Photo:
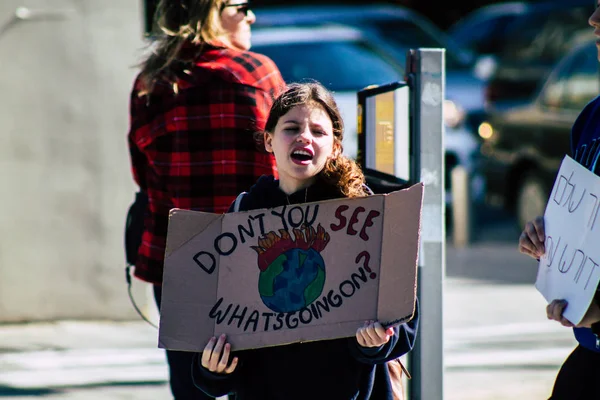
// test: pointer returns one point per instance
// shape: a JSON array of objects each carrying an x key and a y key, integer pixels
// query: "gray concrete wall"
[{"x": 65, "y": 180}]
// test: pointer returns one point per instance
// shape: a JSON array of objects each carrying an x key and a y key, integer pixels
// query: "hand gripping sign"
[
  {"x": 290, "y": 274},
  {"x": 570, "y": 269}
]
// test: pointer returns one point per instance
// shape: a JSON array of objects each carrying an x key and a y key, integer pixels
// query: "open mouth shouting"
[{"x": 302, "y": 156}]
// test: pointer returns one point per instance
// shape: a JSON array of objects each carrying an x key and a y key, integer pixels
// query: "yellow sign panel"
[{"x": 384, "y": 132}]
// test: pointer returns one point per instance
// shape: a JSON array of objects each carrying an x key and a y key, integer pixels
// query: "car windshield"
[
  {"x": 406, "y": 35},
  {"x": 485, "y": 36},
  {"x": 339, "y": 65},
  {"x": 545, "y": 37},
  {"x": 401, "y": 29}
]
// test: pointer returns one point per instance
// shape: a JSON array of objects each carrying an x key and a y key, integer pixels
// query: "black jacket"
[{"x": 336, "y": 369}]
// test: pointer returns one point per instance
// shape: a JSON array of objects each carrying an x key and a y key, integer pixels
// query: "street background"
[
  {"x": 67, "y": 328},
  {"x": 498, "y": 342}
]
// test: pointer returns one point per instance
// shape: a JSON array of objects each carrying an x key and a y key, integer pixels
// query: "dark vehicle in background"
[
  {"x": 525, "y": 145},
  {"x": 483, "y": 30},
  {"x": 402, "y": 26},
  {"x": 403, "y": 29},
  {"x": 534, "y": 44}
]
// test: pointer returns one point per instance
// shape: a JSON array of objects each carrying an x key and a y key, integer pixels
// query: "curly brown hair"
[{"x": 339, "y": 171}]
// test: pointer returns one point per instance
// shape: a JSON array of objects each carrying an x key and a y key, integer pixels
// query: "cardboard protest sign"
[
  {"x": 570, "y": 268},
  {"x": 294, "y": 273}
]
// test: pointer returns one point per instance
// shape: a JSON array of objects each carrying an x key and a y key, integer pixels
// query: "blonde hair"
[
  {"x": 180, "y": 22},
  {"x": 339, "y": 171}
]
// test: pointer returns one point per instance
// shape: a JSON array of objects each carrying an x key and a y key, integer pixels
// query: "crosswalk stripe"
[
  {"x": 56, "y": 378},
  {"x": 75, "y": 358},
  {"x": 504, "y": 330},
  {"x": 508, "y": 358}
]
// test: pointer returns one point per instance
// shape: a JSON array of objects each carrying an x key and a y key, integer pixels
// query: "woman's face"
[
  {"x": 302, "y": 142},
  {"x": 236, "y": 19}
]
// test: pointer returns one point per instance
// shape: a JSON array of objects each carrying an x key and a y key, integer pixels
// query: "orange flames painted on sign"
[{"x": 271, "y": 245}]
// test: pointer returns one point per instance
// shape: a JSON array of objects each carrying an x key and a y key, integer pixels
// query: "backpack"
[
  {"x": 238, "y": 202},
  {"x": 396, "y": 369},
  {"x": 134, "y": 227}
]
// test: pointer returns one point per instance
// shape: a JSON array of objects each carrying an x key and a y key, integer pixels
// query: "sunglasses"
[{"x": 241, "y": 7}]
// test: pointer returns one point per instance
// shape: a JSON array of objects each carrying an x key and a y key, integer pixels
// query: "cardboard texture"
[{"x": 296, "y": 273}]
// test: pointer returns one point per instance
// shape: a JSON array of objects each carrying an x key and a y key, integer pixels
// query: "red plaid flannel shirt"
[{"x": 195, "y": 150}]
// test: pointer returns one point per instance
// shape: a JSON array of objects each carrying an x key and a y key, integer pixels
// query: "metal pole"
[
  {"x": 461, "y": 207},
  {"x": 426, "y": 76}
]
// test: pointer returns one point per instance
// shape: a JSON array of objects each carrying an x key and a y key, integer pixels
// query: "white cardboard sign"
[{"x": 570, "y": 269}]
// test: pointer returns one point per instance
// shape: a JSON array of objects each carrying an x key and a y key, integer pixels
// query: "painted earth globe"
[{"x": 293, "y": 280}]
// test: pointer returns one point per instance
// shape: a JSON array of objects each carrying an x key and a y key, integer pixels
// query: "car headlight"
[
  {"x": 485, "y": 130},
  {"x": 454, "y": 115}
]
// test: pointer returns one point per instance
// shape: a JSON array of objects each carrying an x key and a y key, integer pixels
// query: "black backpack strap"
[
  {"x": 238, "y": 202},
  {"x": 134, "y": 226}
]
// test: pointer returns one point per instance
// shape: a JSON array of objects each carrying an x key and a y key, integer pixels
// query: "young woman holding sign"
[
  {"x": 577, "y": 378},
  {"x": 304, "y": 132}
]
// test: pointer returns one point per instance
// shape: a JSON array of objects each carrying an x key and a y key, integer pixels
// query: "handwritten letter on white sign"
[{"x": 570, "y": 269}]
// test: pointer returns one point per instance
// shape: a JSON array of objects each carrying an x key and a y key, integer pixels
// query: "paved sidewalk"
[
  {"x": 498, "y": 342},
  {"x": 497, "y": 345},
  {"x": 77, "y": 360}
]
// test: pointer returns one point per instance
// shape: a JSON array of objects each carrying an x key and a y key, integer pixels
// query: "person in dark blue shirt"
[{"x": 578, "y": 376}]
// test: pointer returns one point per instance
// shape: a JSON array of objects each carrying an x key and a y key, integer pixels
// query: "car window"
[
  {"x": 407, "y": 35},
  {"x": 484, "y": 36},
  {"x": 582, "y": 83},
  {"x": 341, "y": 66},
  {"x": 554, "y": 89},
  {"x": 544, "y": 37},
  {"x": 575, "y": 83}
]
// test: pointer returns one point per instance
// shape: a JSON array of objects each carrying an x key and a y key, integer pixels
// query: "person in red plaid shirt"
[{"x": 194, "y": 108}]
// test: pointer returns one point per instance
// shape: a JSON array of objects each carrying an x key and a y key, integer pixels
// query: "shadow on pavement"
[
  {"x": 520, "y": 367},
  {"x": 11, "y": 392},
  {"x": 6, "y": 391}
]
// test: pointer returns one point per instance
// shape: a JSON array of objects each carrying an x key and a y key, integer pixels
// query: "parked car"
[
  {"x": 401, "y": 25},
  {"x": 533, "y": 45},
  {"x": 483, "y": 30},
  {"x": 525, "y": 145},
  {"x": 347, "y": 59},
  {"x": 402, "y": 29}
]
